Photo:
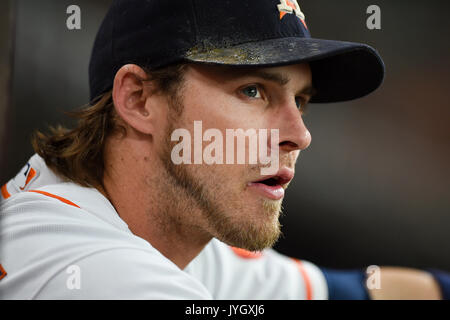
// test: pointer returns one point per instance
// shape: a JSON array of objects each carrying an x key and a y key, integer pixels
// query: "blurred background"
[{"x": 373, "y": 187}]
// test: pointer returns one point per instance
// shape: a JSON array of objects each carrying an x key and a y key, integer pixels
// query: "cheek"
[
  {"x": 222, "y": 110},
  {"x": 201, "y": 102},
  {"x": 293, "y": 156}
]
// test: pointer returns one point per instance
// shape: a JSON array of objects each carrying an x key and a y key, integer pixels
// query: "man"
[{"x": 121, "y": 207}]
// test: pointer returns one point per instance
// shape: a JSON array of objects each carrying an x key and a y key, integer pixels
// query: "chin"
[{"x": 253, "y": 231}]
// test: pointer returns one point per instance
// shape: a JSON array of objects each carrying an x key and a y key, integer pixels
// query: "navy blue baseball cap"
[{"x": 263, "y": 33}]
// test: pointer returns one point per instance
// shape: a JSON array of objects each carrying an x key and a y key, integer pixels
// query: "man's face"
[{"x": 229, "y": 201}]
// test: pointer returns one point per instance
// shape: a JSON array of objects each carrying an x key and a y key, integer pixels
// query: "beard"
[{"x": 199, "y": 194}]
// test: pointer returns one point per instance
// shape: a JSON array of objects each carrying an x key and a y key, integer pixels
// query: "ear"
[{"x": 130, "y": 98}]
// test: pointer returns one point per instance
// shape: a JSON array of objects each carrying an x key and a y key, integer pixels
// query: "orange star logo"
[{"x": 292, "y": 7}]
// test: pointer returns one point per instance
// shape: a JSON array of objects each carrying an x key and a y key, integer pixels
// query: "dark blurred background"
[{"x": 373, "y": 187}]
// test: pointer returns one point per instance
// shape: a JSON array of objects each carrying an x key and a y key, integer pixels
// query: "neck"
[{"x": 137, "y": 187}]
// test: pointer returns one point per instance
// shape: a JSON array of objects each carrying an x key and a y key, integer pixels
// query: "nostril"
[{"x": 289, "y": 145}]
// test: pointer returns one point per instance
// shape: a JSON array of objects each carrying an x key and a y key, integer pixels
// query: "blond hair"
[{"x": 78, "y": 154}]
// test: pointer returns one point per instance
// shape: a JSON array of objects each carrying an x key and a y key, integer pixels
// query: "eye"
[
  {"x": 252, "y": 91},
  {"x": 301, "y": 105}
]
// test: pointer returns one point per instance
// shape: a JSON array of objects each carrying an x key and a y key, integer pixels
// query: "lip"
[
  {"x": 284, "y": 176},
  {"x": 276, "y": 192}
]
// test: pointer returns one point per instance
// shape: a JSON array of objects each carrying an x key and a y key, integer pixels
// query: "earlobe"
[{"x": 129, "y": 96}]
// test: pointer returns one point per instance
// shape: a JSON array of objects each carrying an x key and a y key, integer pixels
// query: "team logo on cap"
[{"x": 291, "y": 7}]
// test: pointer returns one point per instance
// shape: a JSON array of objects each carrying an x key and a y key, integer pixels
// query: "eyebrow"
[{"x": 274, "y": 77}]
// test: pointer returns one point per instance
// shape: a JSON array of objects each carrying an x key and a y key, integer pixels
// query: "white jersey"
[{"x": 63, "y": 241}]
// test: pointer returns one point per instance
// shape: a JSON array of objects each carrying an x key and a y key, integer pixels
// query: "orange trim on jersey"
[
  {"x": 5, "y": 193},
  {"x": 246, "y": 254},
  {"x": 30, "y": 176},
  {"x": 3, "y": 273},
  {"x": 56, "y": 197},
  {"x": 305, "y": 276}
]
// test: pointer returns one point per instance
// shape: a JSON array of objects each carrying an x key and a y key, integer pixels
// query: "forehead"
[{"x": 298, "y": 75}]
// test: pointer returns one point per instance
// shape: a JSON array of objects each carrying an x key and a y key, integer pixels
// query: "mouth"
[{"x": 273, "y": 186}]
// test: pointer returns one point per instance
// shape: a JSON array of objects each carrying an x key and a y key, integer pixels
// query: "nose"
[{"x": 294, "y": 135}]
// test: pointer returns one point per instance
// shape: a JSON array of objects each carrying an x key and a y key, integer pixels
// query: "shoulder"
[
  {"x": 62, "y": 202},
  {"x": 122, "y": 273},
  {"x": 53, "y": 232},
  {"x": 232, "y": 273}
]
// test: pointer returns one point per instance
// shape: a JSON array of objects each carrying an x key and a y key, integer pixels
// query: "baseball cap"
[{"x": 263, "y": 33}]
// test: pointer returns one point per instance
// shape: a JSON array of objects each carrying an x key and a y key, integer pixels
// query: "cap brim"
[{"x": 341, "y": 70}]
